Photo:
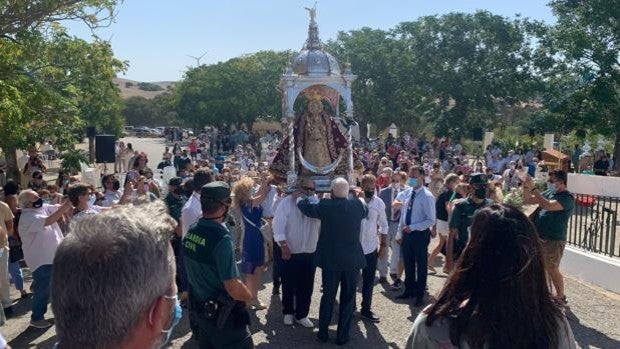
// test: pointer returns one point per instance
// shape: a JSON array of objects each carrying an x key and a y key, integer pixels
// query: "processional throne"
[{"x": 318, "y": 143}]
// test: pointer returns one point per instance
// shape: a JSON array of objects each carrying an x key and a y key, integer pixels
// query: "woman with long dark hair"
[{"x": 497, "y": 296}]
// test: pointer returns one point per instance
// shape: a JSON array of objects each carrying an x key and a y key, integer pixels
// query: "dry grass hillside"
[{"x": 130, "y": 88}]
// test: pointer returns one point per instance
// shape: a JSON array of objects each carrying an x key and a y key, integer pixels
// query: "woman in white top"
[
  {"x": 497, "y": 296},
  {"x": 83, "y": 199}
]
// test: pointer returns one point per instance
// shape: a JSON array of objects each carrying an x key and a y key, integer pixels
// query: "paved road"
[{"x": 594, "y": 314}]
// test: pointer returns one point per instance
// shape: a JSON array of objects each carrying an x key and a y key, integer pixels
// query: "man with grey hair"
[
  {"x": 100, "y": 273},
  {"x": 341, "y": 220},
  {"x": 40, "y": 235}
]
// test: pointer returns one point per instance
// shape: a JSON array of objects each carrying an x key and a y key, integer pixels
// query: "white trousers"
[
  {"x": 393, "y": 257},
  {"x": 5, "y": 290}
]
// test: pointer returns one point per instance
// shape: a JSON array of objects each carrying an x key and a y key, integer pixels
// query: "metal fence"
[{"x": 594, "y": 224}]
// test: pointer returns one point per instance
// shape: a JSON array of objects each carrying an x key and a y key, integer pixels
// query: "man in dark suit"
[{"x": 339, "y": 254}]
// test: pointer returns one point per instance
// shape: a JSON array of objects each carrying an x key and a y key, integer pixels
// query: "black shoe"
[
  {"x": 8, "y": 312},
  {"x": 404, "y": 296},
  {"x": 383, "y": 280},
  {"x": 419, "y": 302},
  {"x": 25, "y": 295},
  {"x": 370, "y": 316},
  {"x": 323, "y": 338},
  {"x": 397, "y": 285}
]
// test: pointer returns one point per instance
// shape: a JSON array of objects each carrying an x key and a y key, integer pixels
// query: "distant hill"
[{"x": 131, "y": 88}]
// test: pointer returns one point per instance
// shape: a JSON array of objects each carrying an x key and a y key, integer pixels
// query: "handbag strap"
[{"x": 249, "y": 221}]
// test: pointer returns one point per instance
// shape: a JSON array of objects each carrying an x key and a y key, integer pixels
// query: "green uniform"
[
  {"x": 461, "y": 220},
  {"x": 553, "y": 225},
  {"x": 175, "y": 205},
  {"x": 209, "y": 259}
]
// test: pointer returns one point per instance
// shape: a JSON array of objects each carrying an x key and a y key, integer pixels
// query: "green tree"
[
  {"x": 462, "y": 67},
  {"x": 237, "y": 91},
  {"x": 377, "y": 93},
  {"x": 50, "y": 83},
  {"x": 580, "y": 57},
  {"x": 159, "y": 111}
]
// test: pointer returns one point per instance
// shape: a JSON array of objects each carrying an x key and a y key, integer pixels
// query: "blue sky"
[{"x": 156, "y": 36}]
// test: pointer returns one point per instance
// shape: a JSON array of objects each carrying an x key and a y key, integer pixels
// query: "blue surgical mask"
[
  {"x": 551, "y": 187},
  {"x": 177, "y": 314},
  {"x": 413, "y": 182},
  {"x": 91, "y": 199}
]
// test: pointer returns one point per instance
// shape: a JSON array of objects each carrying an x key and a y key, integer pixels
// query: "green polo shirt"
[
  {"x": 209, "y": 259},
  {"x": 462, "y": 216},
  {"x": 553, "y": 225}
]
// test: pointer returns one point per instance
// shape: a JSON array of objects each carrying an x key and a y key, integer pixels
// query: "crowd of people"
[{"x": 226, "y": 216}]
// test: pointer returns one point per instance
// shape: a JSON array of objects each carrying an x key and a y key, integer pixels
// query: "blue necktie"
[{"x": 409, "y": 208}]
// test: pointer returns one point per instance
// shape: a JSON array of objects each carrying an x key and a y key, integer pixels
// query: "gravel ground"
[{"x": 594, "y": 316}]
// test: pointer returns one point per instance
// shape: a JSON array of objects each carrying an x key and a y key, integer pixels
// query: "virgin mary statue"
[{"x": 318, "y": 144}]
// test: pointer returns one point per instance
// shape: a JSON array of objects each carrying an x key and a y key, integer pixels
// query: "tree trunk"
[
  {"x": 12, "y": 171},
  {"x": 617, "y": 151}
]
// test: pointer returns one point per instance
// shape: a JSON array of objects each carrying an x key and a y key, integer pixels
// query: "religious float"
[{"x": 317, "y": 115}]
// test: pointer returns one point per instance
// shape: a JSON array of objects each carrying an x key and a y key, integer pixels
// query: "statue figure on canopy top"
[{"x": 312, "y": 13}]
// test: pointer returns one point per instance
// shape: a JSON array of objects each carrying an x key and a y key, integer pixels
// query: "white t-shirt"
[
  {"x": 39, "y": 242},
  {"x": 191, "y": 212}
]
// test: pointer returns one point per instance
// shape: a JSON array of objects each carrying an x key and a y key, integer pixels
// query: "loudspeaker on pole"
[
  {"x": 91, "y": 131},
  {"x": 104, "y": 148}
]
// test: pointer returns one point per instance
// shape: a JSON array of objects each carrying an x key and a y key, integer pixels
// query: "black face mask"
[
  {"x": 369, "y": 193},
  {"x": 116, "y": 185},
  {"x": 222, "y": 216},
  {"x": 481, "y": 193},
  {"x": 38, "y": 203}
]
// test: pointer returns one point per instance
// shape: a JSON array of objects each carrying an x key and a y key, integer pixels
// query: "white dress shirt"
[
  {"x": 39, "y": 241},
  {"x": 300, "y": 232},
  {"x": 376, "y": 219},
  {"x": 422, "y": 213},
  {"x": 269, "y": 202},
  {"x": 191, "y": 212}
]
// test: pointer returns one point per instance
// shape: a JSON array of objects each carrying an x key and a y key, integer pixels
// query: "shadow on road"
[
  {"x": 587, "y": 337},
  {"x": 30, "y": 334}
]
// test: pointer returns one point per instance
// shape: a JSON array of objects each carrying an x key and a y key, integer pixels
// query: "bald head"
[{"x": 340, "y": 188}]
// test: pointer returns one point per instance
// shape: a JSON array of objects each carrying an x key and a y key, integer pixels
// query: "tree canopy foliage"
[
  {"x": 237, "y": 91},
  {"x": 581, "y": 64},
  {"x": 53, "y": 84}
]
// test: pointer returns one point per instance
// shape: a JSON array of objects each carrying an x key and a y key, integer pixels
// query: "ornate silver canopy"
[
  {"x": 313, "y": 60},
  {"x": 317, "y": 70}
]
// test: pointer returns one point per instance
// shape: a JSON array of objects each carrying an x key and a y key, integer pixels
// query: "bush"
[
  {"x": 70, "y": 160},
  {"x": 128, "y": 84},
  {"x": 147, "y": 86}
]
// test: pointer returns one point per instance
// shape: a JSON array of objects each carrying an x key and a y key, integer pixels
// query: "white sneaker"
[
  {"x": 288, "y": 319},
  {"x": 305, "y": 322}
]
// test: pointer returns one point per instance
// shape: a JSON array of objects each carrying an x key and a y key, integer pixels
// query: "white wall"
[
  {"x": 593, "y": 268},
  {"x": 594, "y": 185}
]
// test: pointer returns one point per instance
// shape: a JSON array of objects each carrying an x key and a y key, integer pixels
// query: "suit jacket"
[
  {"x": 339, "y": 247},
  {"x": 386, "y": 195}
]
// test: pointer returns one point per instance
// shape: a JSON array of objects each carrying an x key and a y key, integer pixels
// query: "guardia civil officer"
[
  {"x": 463, "y": 214},
  {"x": 217, "y": 294}
]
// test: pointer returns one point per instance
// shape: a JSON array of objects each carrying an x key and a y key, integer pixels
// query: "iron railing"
[{"x": 594, "y": 224}]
